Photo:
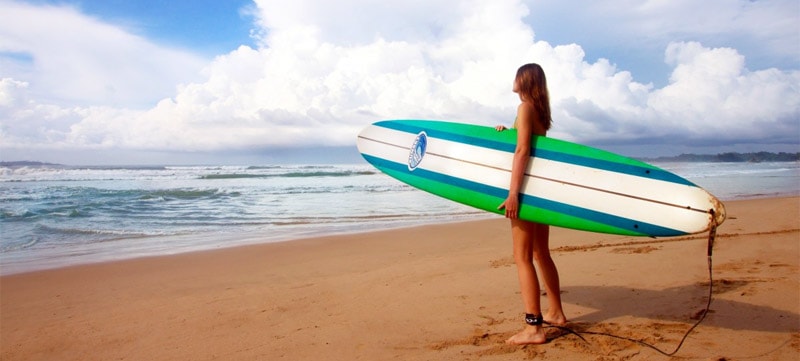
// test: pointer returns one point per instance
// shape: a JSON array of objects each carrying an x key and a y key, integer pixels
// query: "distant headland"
[
  {"x": 27, "y": 163},
  {"x": 731, "y": 157}
]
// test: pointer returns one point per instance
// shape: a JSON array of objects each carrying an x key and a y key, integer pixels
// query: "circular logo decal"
[{"x": 417, "y": 150}]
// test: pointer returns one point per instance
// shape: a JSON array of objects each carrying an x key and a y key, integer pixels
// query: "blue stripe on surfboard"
[
  {"x": 644, "y": 172},
  {"x": 533, "y": 201}
]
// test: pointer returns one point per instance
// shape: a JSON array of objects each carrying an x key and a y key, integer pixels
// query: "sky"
[{"x": 272, "y": 81}]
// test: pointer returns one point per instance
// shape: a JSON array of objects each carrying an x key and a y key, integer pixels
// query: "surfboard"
[{"x": 566, "y": 184}]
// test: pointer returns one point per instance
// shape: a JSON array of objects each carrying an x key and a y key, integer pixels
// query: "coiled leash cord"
[{"x": 712, "y": 235}]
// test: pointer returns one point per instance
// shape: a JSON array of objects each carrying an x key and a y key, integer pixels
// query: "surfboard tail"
[{"x": 718, "y": 213}]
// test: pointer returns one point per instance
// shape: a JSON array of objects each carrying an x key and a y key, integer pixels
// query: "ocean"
[{"x": 54, "y": 216}]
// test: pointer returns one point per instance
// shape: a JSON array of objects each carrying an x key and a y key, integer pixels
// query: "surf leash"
[{"x": 712, "y": 235}]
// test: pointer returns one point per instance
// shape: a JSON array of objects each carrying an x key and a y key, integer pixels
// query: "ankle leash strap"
[{"x": 533, "y": 319}]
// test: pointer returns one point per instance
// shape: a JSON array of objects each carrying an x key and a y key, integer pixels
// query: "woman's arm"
[{"x": 522, "y": 153}]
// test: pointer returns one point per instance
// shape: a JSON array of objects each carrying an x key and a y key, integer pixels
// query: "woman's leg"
[
  {"x": 541, "y": 253},
  {"x": 523, "y": 234}
]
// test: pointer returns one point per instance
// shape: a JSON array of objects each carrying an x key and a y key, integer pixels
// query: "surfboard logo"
[{"x": 417, "y": 150}]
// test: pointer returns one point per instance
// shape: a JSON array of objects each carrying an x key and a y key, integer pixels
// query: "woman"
[{"x": 531, "y": 240}]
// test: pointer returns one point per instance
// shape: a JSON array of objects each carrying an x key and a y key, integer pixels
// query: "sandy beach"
[{"x": 440, "y": 292}]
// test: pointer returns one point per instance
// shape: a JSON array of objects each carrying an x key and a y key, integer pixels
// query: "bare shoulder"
[
  {"x": 527, "y": 113},
  {"x": 526, "y": 107}
]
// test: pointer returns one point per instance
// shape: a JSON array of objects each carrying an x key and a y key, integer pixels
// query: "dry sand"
[{"x": 443, "y": 292}]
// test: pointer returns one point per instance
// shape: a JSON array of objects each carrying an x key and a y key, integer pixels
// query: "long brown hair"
[{"x": 533, "y": 88}]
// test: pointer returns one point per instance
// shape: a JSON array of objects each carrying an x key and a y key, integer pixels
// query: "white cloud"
[
  {"x": 69, "y": 58},
  {"x": 712, "y": 95},
  {"x": 323, "y": 72},
  {"x": 358, "y": 22},
  {"x": 767, "y": 26}
]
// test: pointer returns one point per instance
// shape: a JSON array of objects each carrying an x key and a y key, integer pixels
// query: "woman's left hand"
[{"x": 511, "y": 205}]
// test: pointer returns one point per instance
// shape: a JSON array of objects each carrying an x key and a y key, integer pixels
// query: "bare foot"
[
  {"x": 556, "y": 320},
  {"x": 531, "y": 335}
]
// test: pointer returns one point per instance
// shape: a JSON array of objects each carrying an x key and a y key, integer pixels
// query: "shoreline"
[
  {"x": 214, "y": 242},
  {"x": 441, "y": 291}
]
